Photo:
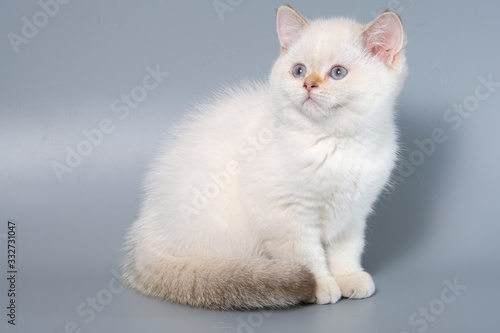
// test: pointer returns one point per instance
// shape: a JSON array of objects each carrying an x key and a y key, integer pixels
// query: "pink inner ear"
[
  {"x": 384, "y": 37},
  {"x": 290, "y": 25}
]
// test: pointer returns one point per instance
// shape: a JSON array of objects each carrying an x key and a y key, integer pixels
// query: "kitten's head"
[{"x": 331, "y": 67}]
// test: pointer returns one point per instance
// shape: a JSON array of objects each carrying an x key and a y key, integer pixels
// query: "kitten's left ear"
[
  {"x": 290, "y": 25},
  {"x": 384, "y": 37}
]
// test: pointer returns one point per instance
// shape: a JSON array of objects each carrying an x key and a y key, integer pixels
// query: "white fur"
[{"x": 307, "y": 174}]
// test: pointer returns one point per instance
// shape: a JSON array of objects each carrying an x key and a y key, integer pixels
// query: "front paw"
[
  {"x": 357, "y": 285},
  {"x": 327, "y": 290}
]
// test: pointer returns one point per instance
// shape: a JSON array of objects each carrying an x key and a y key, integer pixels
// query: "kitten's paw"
[
  {"x": 327, "y": 290},
  {"x": 357, "y": 285}
]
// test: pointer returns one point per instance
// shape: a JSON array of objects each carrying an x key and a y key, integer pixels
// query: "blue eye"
[
  {"x": 338, "y": 72},
  {"x": 299, "y": 71}
]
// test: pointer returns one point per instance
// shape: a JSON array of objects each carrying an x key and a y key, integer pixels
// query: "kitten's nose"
[{"x": 309, "y": 85}]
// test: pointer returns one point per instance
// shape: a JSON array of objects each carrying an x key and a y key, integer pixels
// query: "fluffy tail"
[{"x": 223, "y": 284}]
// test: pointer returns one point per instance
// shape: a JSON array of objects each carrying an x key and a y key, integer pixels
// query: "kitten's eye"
[
  {"x": 338, "y": 72},
  {"x": 299, "y": 71}
]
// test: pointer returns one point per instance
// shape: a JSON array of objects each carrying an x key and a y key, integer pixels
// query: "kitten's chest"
[
  {"x": 341, "y": 174},
  {"x": 333, "y": 165}
]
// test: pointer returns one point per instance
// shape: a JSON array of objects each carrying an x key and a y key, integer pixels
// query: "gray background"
[{"x": 440, "y": 223}]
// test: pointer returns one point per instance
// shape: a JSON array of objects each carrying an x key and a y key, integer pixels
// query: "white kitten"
[{"x": 261, "y": 200}]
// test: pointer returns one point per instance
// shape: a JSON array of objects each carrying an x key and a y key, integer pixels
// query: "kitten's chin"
[
  {"x": 311, "y": 104},
  {"x": 313, "y": 110},
  {"x": 316, "y": 111}
]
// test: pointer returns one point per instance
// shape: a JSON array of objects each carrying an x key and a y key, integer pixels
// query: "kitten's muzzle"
[{"x": 309, "y": 85}]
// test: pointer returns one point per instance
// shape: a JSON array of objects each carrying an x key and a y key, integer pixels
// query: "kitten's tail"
[{"x": 223, "y": 284}]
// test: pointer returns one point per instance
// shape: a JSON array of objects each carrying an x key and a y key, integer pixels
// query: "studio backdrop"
[{"x": 90, "y": 89}]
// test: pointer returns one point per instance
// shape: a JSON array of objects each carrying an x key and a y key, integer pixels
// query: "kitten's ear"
[
  {"x": 384, "y": 37},
  {"x": 290, "y": 25}
]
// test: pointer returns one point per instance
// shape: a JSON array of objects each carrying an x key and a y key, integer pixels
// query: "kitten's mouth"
[
  {"x": 310, "y": 100},
  {"x": 313, "y": 105}
]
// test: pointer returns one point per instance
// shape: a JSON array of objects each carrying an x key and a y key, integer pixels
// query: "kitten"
[{"x": 261, "y": 200}]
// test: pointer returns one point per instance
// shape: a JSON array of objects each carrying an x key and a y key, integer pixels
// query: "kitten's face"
[
  {"x": 327, "y": 68},
  {"x": 324, "y": 71}
]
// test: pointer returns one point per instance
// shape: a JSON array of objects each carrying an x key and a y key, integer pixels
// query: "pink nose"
[{"x": 309, "y": 85}]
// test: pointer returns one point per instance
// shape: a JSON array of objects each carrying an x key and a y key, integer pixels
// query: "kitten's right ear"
[
  {"x": 385, "y": 38},
  {"x": 290, "y": 25}
]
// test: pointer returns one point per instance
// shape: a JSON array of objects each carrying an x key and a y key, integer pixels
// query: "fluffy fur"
[{"x": 262, "y": 198}]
